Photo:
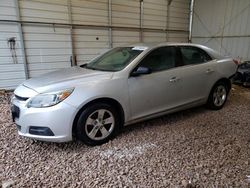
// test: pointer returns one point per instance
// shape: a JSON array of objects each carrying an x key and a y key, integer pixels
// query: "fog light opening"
[{"x": 42, "y": 131}]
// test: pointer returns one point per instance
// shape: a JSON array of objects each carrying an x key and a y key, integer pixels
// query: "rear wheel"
[
  {"x": 218, "y": 96},
  {"x": 97, "y": 124}
]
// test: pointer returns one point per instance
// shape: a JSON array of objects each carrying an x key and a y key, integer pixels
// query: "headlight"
[{"x": 48, "y": 99}]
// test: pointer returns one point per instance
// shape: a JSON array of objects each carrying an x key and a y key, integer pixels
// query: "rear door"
[{"x": 197, "y": 73}]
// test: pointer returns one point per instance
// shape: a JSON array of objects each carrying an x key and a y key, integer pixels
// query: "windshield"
[{"x": 115, "y": 59}]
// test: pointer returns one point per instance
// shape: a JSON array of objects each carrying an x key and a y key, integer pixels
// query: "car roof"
[
  {"x": 155, "y": 44},
  {"x": 150, "y": 45}
]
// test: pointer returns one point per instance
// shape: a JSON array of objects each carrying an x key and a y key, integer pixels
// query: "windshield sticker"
[{"x": 141, "y": 48}]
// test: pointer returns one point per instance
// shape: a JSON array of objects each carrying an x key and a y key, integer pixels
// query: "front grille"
[
  {"x": 21, "y": 98},
  {"x": 15, "y": 111}
]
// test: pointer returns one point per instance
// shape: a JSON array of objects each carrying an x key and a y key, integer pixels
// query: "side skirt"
[{"x": 165, "y": 112}]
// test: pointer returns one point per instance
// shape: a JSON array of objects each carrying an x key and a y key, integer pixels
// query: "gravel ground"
[{"x": 207, "y": 148}]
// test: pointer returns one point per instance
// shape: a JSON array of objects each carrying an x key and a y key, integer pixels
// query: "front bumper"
[{"x": 58, "y": 118}]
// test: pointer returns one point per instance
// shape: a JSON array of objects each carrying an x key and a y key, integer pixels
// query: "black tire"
[
  {"x": 211, "y": 104},
  {"x": 82, "y": 128},
  {"x": 238, "y": 78},
  {"x": 246, "y": 79}
]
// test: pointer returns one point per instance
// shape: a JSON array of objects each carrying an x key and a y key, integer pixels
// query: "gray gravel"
[{"x": 197, "y": 147}]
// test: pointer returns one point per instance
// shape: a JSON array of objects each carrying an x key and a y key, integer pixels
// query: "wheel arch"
[
  {"x": 225, "y": 80},
  {"x": 105, "y": 100}
]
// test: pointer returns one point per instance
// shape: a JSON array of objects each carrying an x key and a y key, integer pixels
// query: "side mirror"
[{"x": 141, "y": 70}]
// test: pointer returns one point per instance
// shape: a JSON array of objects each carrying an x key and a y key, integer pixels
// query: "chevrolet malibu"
[{"x": 128, "y": 84}]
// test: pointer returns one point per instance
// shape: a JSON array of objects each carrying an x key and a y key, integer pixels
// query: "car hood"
[{"x": 68, "y": 77}]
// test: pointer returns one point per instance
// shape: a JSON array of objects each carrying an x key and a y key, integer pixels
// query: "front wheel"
[
  {"x": 218, "y": 96},
  {"x": 97, "y": 124}
]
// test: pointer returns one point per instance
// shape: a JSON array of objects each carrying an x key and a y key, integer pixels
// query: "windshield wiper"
[
  {"x": 92, "y": 68},
  {"x": 85, "y": 66}
]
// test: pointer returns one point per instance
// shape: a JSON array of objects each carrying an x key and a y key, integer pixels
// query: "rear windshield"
[{"x": 114, "y": 60}]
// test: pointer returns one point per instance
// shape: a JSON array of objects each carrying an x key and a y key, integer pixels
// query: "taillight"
[{"x": 236, "y": 62}]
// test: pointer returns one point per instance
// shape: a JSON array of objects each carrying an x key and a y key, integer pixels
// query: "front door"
[{"x": 158, "y": 91}]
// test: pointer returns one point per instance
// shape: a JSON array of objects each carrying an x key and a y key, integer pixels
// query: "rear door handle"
[
  {"x": 209, "y": 71},
  {"x": 174, "y": 79}
]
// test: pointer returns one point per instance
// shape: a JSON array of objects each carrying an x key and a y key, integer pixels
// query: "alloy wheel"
[
  {"x": 99, "y": 124},
  {"x": 219, "y": 95}
]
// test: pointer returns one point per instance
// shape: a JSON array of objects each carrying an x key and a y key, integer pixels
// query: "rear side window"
[
  {"x": 160, "y": 59},
  {"x": 192, "y": 55}
]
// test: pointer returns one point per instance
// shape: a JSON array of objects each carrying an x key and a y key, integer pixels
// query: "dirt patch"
[{"x": 206, "y": 148}]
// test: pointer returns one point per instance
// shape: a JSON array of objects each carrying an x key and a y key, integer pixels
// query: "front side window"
[
  {"x": 192, "y": 55},
  {"x": 162, "y": 58},
  {"x": 115, "y": 59}
]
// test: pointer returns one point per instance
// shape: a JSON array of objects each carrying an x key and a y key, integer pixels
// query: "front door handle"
[
  {"x": 209, "y": 71},
  {"x": 174, "y": 79}
]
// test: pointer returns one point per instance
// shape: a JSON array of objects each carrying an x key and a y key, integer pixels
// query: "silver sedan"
[{"x": 92, "y": 102}]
